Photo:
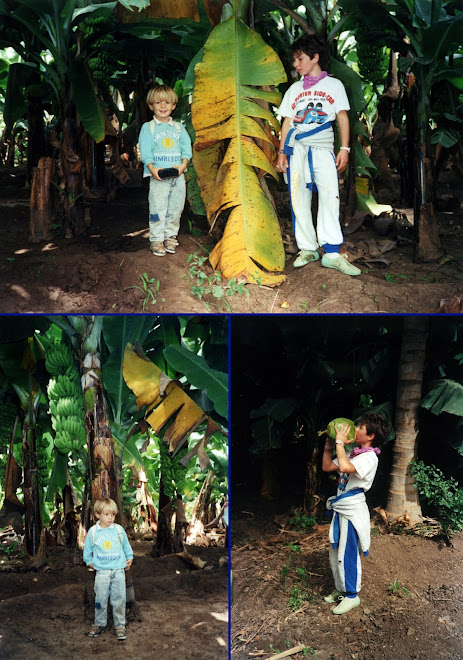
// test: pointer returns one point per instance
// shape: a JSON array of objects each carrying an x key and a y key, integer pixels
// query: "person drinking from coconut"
[{"x": 350, "y": 525}]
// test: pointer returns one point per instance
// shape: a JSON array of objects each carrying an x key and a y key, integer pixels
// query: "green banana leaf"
[
  {"x": 87, "y": 103},
  {"x": 15, "y": 100},
  {"x": 236, "y": 64},
  {"x": 118, "y": 331},
  {"x": 59, "y": 475},
  {"x": 446, "y": 396},
  {"x": 198, "y": 373}
]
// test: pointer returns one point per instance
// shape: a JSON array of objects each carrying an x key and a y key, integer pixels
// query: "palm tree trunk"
[{"x": 403, "y": 496}]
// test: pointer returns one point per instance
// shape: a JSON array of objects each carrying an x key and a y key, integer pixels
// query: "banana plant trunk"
[
  {"x": 72, "y": 167},
  {"x": 34, "y": 541},
  {"x": 36, "y": 145},
  {"x": 427, "y": 242},
  {"x": 403, "y": 497},
  {"x": 99, "y": 439},
  {"x": 164, "y": 544},
  {"x": 311, "y": 501}
]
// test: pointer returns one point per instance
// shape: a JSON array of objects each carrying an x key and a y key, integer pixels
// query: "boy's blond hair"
[
  {"x": 105, "y": 504},
  {"x": 162, "y": 93}
]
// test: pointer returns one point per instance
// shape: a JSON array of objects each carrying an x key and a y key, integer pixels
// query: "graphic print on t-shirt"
[
  {"x": 343, "y": 481},
  {"x": 311, "y": 115}
]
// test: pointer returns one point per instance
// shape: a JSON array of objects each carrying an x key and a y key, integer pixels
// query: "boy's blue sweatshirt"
[
  {"x": 107, "y": 551},
  {"x": 166, "y": 147}
]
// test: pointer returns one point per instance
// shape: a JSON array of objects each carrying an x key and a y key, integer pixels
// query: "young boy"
[
  {"x": 350, "y": 525},
  {"x": 307, "y": 158},
  {"x": 107, "y": 551},
  {"x": 164, "y": 144}
]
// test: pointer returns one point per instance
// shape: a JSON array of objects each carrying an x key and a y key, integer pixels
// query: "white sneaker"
[
  {"x": 304, "y": 257},
  {"x": 340, "y": 263},
  {"x": 346, "y": 605}
]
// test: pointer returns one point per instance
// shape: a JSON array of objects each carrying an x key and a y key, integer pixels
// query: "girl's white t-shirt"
[
  {"x": 317, "y": 105},
  {"x": 366, "y": 465}
]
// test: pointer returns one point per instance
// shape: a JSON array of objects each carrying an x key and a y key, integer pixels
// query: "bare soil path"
[
  {"x": 97, "y": 273},
  {"x": 411, "y": 602},
  {"x": 181, "y": 612}
]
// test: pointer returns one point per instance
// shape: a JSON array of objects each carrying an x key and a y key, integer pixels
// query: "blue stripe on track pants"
[{"x": 345, "y": 560}]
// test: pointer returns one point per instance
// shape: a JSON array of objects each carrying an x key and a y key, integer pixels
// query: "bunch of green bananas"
[
  {"x": 102, "y": 65},
  {"x": 173, "y": 472},
  {"x": 58, "y": 358},
  {"x": 65, "y": 400},
  {"x": 371, "y": 63},
  {"x": 62, "y": 386}
]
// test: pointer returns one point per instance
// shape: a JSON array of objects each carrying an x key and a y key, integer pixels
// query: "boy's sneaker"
[
  {"x": 304, "y": 257},
  {"x": 120, "y": 633},
  {"x": 95, "y": 631},
  {"x": 340, "y": 262},
  {"x": 157, "y": 248},
  {"x": 170, "y": 244},
  {"x": 346, "y": 605},
  {"x": 333, "y": 597}
]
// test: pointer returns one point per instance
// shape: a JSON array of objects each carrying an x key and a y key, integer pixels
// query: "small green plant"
[
  {"x": 443, "y": 495},
  {"x": 395, "y": 278},
  {"x": 293, "y": 547},
  {"x": 205, "y": 284},
  {"x": 9, "y": 549},
  {"x": 150, "y": 288},
  {"x": 300, "y": 521},
  {"x": 296, "y": 598},
  {"x": 397, "y": 589},
  {"x": 308, "y": 650},
  {"x": 303, "y": 306},
  {"x": 299, "y": 595},
  {"x": 324, "y": 287}
]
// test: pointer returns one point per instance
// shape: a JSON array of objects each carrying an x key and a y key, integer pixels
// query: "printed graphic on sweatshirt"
[{"x": 107, "y": 548}]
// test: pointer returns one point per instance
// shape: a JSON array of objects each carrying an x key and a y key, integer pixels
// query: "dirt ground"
[
  {"x": 94, "y": 273},
  {"x": 411, "y": 602},
  {"x": 181, "y": 612}
]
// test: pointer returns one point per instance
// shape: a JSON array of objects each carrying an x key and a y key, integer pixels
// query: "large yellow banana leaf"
[
  {"x": 227, "y": 120},
  {"x": 164, "y": 398}
]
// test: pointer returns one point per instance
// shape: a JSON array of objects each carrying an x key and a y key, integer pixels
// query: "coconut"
[{"x": 330, "y": 430}]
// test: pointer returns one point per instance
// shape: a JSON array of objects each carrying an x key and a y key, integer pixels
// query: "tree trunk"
[
  {"x": 427, "y": 241},
  {"x": 181, "y": 524},
  {"x": 72, "y": 167},
  {"x": 41, "y": 206},
  {"x": 33, "y": 517},
  {"x": 310, "y": 506},
  {"x": 100, "y": 443},
  {"x": 164, "y": 544},
  {"x": 403, "y": 496},
  {"x": 36, "y": 146},
  {"x": 384, "y": 133}
]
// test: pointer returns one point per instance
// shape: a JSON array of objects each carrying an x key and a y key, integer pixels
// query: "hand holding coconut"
[{"x": 343, "y": 432}]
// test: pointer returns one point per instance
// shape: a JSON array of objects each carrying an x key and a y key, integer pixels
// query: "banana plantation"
[
  {"x": 133, "y": 408},
  {"x": 73, "y": 82}
]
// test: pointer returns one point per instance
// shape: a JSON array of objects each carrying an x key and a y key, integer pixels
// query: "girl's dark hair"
[
  {"x": 310, "y": 44},
  {"x": 377, "y": 424}
]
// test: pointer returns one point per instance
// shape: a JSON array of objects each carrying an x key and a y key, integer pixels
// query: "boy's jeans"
[
  {"x": 110, "y": 584},
  {"x": 166, "y": 201}
]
